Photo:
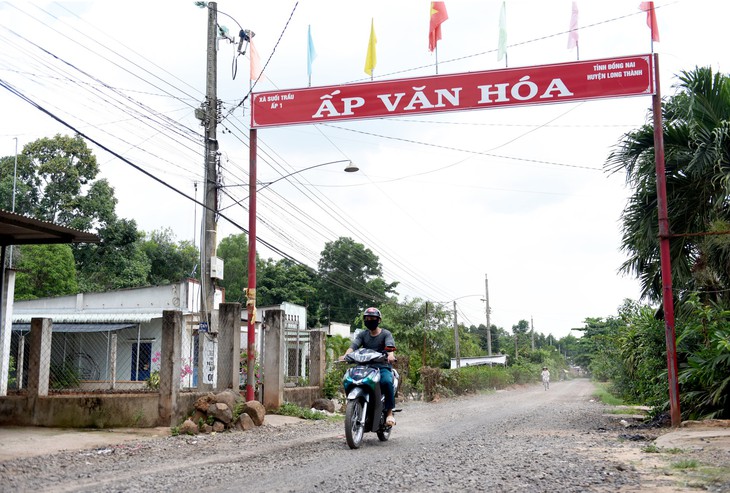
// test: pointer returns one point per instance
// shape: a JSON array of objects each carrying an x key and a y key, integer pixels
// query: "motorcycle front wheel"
[{"x": 354, "y": 423}]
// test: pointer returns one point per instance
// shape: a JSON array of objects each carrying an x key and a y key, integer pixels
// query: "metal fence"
[
  {"x": 297, "y": 352},
  {"x": 87, "y": 359}
]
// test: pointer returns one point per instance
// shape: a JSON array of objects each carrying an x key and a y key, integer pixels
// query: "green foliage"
[
  {"x": 60, "y": 175},
  {"x": 169, "y": 261},
  {"x": 12, "y": 379},
  {"x": 349, "y": 276},
  {"x": 333, "y": 381},
  {"x": 473, "y": 379},
  {"x": 290, "y": 409},
  {"x": 437, "y": 382},
  {"x": 45, "y": 271},
  {"x": 153, "y": 381},
  {"x": 64, "y": 376},
  {"x": 335, "y": 347},
  {"x": 604, "y": 395},
  {"x": 283, "y": 280},
  {"x": 115, "y": 263},
  {"x": 233, "y": 250},
  {"x": 524, "y": 372},
  {"x": 696, "y": 155},
  {"x": 705, "y": 377}
]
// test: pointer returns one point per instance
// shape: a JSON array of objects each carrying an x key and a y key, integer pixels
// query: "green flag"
[{"x": 502, "y": 48}]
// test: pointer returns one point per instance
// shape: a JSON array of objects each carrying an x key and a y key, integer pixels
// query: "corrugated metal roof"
[
  {"x": 85, "y": 318},
  {"x": 17, "y": 229},
  {"x": 58, "y": 327}
]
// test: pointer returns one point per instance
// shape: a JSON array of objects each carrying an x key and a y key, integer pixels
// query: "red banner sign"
[{"x": 590, "y": 79}]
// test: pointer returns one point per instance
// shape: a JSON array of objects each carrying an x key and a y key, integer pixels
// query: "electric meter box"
[{"x": 216, "y": 268}]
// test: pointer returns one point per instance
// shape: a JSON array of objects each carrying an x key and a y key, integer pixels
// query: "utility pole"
[
  {"x": 532, "y": 333},
  {"x": 425, "y": 328},
  {"x": 209, "y": 116},
  {"x": 456, "y": 338},
  {"x": 489, "y": 327}
]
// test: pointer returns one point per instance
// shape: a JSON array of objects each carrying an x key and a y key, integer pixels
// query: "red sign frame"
[{"x": 573, "y": 81}]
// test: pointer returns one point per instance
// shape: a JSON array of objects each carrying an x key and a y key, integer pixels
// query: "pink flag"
[
  {"x": 573, "y": 30},
  {"x": 255, "y": 61},
  {"x": 648, "y": 7}
]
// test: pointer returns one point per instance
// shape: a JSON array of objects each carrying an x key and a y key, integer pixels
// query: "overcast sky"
[{"x": 516, "y": 194}]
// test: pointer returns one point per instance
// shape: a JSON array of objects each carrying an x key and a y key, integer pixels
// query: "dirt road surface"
[{"x": 525, "y": 439}]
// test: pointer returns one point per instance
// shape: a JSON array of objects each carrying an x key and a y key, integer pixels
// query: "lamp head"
[{"x": 351, "y": 168}]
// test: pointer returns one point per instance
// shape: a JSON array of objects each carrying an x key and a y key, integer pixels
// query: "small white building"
[
  {"x": 338, "y": 329},
  {"x": 112, "y": 339}
]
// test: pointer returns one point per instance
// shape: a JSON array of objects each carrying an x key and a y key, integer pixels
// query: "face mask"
[{"x": 371, "y": 324}]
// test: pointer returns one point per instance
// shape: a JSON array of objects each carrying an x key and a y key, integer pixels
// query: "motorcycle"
[{"x": 365, "y": 402}]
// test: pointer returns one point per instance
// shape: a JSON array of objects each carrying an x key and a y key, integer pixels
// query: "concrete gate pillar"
[
  {"x": 274, "y": 358},
  {"x": 229, "y": 346},
  {"x": 6, "y": 329},
  {"x": 170, "y": 363},
  {"x": 39, "y": 363},
  {"x": 317, "y": 357}
]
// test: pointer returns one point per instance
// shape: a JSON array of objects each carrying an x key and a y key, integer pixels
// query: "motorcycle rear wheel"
[{"x": 354, "y": 429}]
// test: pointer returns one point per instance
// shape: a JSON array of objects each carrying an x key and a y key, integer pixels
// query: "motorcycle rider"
[{"x": 378, "y": 339}]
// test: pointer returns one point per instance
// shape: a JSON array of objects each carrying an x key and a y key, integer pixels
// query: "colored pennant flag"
[
  {"x": 371, "y": 60},
  {"x": 648, "y": 7},
  {"x": 311, "y": 52},
  {"x": 253, "y": 56},
  {"x": 438, "y": 16},
  {"x": 573, "y": 29},
  {"x": 502, "y": 46}
]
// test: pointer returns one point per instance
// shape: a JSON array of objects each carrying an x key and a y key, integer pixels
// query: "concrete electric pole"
[
  {"x": 208, "y": 114},
  {"x": 489, "y": 326},
  {"x": 456, "y": 339}
]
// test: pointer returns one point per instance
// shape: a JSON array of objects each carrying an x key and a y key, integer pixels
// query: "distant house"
[{"x": 297, "y": 338}]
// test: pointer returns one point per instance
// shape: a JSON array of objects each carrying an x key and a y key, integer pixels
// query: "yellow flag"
[{"x": 372, "y": 58}]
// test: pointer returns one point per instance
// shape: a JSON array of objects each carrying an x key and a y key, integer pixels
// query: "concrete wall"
[
  {"x": 302, "y": 396},
  {"x": 92, "y": 410}
]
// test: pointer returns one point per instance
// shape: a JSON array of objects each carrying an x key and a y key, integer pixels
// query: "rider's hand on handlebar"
[{"x": 391, "y": 357}]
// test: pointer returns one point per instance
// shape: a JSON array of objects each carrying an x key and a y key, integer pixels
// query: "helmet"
[{"x": 371, "y": 312}]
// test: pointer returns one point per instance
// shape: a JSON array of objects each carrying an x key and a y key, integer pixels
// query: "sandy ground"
[{"x": 29, "y": 441}]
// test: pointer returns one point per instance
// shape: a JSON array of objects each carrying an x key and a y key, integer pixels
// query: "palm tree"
[{"x": 697, "y": 156}]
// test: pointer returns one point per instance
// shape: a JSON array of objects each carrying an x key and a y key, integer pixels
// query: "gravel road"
[{"x": 525, "y": 439}]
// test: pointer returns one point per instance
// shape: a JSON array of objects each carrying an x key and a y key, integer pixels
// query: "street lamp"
[{"x": 251, "y": 291}]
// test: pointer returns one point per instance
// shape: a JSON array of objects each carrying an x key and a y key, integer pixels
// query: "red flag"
[
  {"x": 648, "y": 7},
  {"x": 438, "y": 16}
]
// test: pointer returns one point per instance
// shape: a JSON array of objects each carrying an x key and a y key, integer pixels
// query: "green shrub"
[{"x": 291, "y": 409}]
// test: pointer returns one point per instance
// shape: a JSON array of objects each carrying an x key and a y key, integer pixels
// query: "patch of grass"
[
  {"x": 602, "y": 394},
  {"x": 685, "y": 464},
  {"x": 290, "y": 409},
  {"x": 653, "y": 449}
]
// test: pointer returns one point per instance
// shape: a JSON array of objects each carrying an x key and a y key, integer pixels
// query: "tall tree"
[
  {"x": 233, "y": 250},
  {"x": 282, "y": 280},
  {"x": 350, "y": 280},
  {"x": 45, "y": 270},
  {"x": 116, "y": 262},
  {"x": 697, "y": 155},
  {"x": 169, "y": 261},
  {"x": 17, "y": 182},
  {"x": 61, "y": 179}
]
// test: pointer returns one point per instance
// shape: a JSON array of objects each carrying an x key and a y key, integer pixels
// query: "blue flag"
[{"x": 311, "y": 53}]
